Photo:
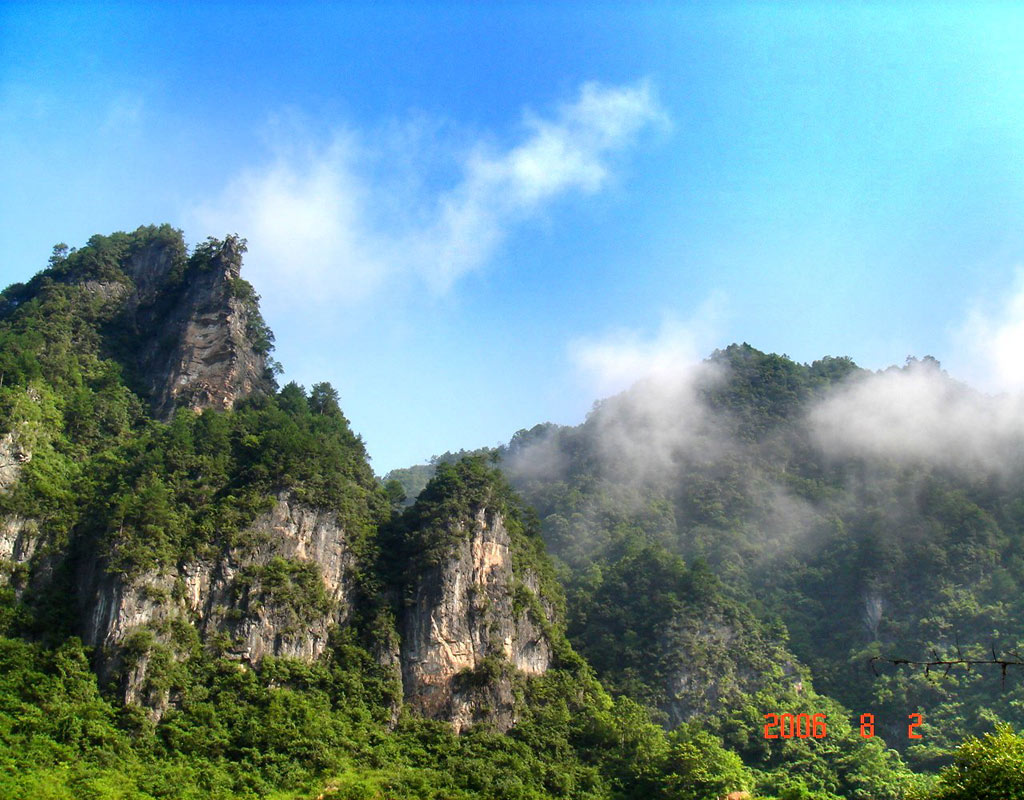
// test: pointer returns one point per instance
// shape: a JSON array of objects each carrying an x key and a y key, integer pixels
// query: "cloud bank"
[
  {"x": 343, "y": 221},
  {"x": 916, "y": 414},
  {"x": 919, "y": 414}
]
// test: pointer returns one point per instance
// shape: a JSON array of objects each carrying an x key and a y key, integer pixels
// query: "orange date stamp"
[{"x": 815, "y": 726}]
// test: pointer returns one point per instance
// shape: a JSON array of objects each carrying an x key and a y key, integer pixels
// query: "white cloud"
[
  {"x": 642, "y": 432},
  {"x": 920, "y": 414},
  {"x": 621, "y": 358},
  {"x": 305, "y": 220},
  {"x": 341, "y": 222},
  {"x": 992, "y": 342}
]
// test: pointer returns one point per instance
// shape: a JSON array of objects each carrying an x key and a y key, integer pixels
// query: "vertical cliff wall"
[
  {"x": 202, "y": 341},
  {"x": 471, "y": 631}
]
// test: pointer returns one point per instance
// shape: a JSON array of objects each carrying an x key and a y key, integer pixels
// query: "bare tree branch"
[{"x": 1014, "y": 660}]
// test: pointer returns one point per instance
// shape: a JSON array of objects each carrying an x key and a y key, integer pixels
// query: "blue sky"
[{"x": 473, "y": 219}]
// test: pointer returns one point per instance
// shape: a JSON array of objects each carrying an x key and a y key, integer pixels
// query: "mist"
[
  {"x": 918, "y": 414},
  {"x": 662, "y": 441}
]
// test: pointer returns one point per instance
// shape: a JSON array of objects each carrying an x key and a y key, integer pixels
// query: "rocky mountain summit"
[{"x": 204, "y": 345}]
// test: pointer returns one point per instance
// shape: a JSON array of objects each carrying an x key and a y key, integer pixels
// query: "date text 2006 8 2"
[{"x": 815, "y": 726}]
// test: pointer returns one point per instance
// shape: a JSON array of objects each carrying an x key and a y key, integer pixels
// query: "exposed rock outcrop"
[
  {"x": 278, "y": 595},
  {"x": 474, "y": 630},
  {"x": 185, "y": 331},
  {"x": 199, "y": 348},
  {"x": 188, "y": 330},
  {"x": 470, "y": 632},
  {"x": 19, "y": 538},
  {"x": 12, "y": 456},
  {"x": 716, "y": 659}
]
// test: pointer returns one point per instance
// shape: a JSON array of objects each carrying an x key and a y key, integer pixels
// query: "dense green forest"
[{"x": 696, "y": 559}]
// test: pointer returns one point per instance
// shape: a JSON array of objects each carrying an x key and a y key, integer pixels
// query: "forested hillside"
[
  {"x": 206, "y": 593},
  {"x": 845, "y": 514}
]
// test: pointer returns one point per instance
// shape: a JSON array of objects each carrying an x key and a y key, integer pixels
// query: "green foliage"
[
  {"x": 291, "y": 729},
  {"x": 414, "y": 480},
  {"x": 820, "y": 562},
  {"x": 445, "y": 514},
  {"x": 681, "y": 573},
  {"x": 696, "y": 767},
  {"x": 444, "y": 511},
  {"x": 167, "y": 491},
  {"x": 395, "y": 494},
  {"x": 987, "y": 768},
  {"x": 292, "y": 587},
  {"x": 635, "y": 612}
]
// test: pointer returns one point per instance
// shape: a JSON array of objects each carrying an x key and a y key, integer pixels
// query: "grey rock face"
[
  {"x": 717, "y": 661},
  {"x": 149, "y": 268},
  {"x": 465, "y": 639},
  {"x": 238, "y": 598},
  {"x": 192, "y": 324},
  {"x": 197, "y": 348},
  {"x": 18, "y": 539},
  {"x": 12, "y": 457}
]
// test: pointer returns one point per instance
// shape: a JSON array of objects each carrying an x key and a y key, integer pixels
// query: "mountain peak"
[
  {"x": 204, "y": 341},
  {"x": 186, "y": 328}
]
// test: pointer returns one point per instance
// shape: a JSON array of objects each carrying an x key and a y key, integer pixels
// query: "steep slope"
[
  {"x": 280, "y": 594},
  {"x": 152, "y": 541},
  {"x": 185, "y": 329},
  {"x": 205, "y": 346},
  {"x": 162, "y": 536},
  {"x": 872, "y": 513}
]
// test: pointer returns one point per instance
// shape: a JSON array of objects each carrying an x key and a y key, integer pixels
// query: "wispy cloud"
[
  {"x": 620, "y": 358},
  {"x": 991, "y": 341},
  {"x": 919, "y": 414},
  {"x": 124, "y": 114},
  {"x": 642, "y": 432},
  {"x": 342, "y": 221}
]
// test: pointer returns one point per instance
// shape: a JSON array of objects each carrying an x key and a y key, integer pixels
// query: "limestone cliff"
[
  {"x": 186, "y": 330},
  {"x": 19, "y": 538},
  {"x": 279, "y": 595},
  {"x": 201, "y": 343},
  {"x": 167, "y": 548},
  {"x": 471, "y": 630},
  {"x": 13, "y": 454},
  {"x": 714, "y": 657},
  {"x": 474, "y": 629}
]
